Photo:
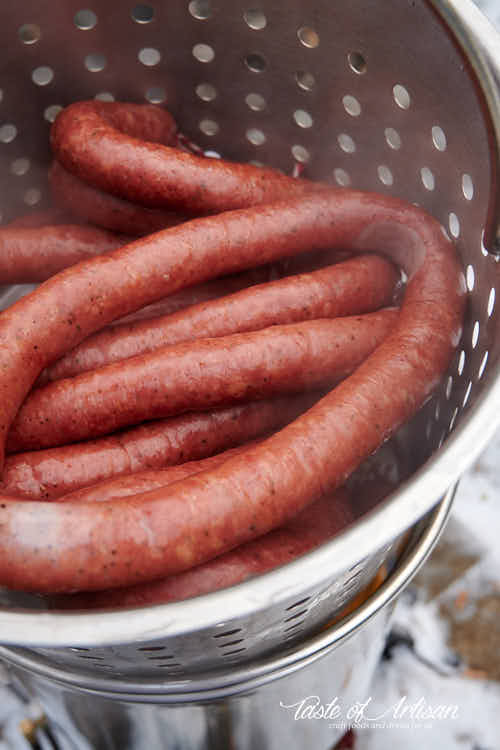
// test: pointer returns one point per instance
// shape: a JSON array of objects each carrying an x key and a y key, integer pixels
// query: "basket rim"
[
  {"x": 400, "y": 510},
  {"x": 213, "y": 686}
]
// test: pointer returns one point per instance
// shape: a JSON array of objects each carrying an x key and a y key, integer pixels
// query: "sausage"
[
  {"x": 51, "y": 473},
  {"x": 317, "y": 524},
  {"x": 105, "y": 210},
  {"x": 43, "y": 218},
  {"x": 193, "y": 376},
  {"x": 143, "y": 481},
  {"x": 29, "y": 255},
  {"x": 359, "y": 285},
  {"x": 194, "y": 295},
  {"x": 233, "y": 283},
  {"x": 139, "y": 121},
  {"x": 97, "y": 142},
  {"x": 57, "y": 547}
]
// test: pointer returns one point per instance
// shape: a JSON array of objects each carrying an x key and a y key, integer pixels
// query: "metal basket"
[
  {"x": 397, "y": 96},
  {"x": 243, "y": 708}
]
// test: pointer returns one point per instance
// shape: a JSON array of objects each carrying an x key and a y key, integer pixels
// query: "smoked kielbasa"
[
  {"x": 313, "y": 526},
  {"x": 356, "y": 286},
  {"x": 87, "y": 546},
  {"x": 197, "y": 375},
  {"x": 143, "y": 481},
  {"x": 47, "y": 474},
  {"x": 105, "y": 210},
  {"x": 29, "y": 254}
]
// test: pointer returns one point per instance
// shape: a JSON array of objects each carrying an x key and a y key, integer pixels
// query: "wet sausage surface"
[
  {"x": 315, "y": 525},
  {"x": 143, "y": 481},
  {"x": 198, "y": 375},
  {"x": 95, "y": 142},
  {"x": 50, "y": 473}
]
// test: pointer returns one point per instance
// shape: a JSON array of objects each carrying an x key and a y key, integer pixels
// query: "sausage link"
[
  {"x": 139, "y": 121},
  {"x": 194, "y": 295},
  {"x": 233, "y": 283},
  {"x": 43, "y": 218},
  {"x": 194, "y": 376},
  {"x": 51, "y": 473},
  {"x": 105, "y": 210},
  {"x": 356, "y": 286},
  {"x": 143, "y": 481},
  {"x": 51, "y": 547},
  {"x": 29, "y": 255},
  {"x": 97, "y": 142},
  {"x": 323, "y": 520}
]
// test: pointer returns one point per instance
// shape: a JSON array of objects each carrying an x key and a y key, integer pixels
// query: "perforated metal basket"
[{"x": 397, "y": 96}]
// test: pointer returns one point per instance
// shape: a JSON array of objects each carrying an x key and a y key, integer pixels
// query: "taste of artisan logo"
[{"x": 403, "y": 713}]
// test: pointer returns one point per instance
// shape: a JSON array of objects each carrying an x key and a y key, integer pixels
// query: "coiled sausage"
[{"x": 71, "y": 546}]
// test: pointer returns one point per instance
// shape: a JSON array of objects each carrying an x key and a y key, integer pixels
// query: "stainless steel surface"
[
  {"x": 245, "y": 721},
  {"x": 377, "y": 95}
]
